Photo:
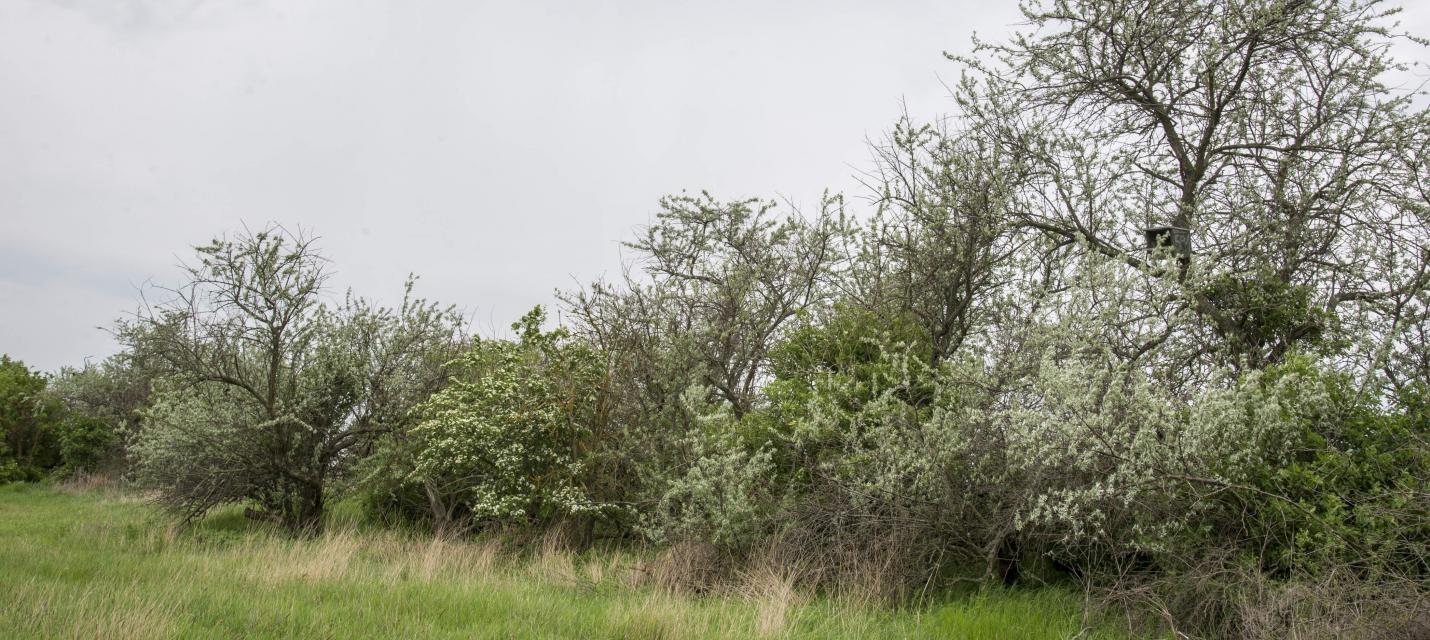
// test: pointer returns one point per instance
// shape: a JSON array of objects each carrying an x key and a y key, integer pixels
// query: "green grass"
[{"x": 110, "y": 566}]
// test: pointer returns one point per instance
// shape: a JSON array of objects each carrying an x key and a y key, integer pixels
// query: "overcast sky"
[{"x": 499, "y": 150}]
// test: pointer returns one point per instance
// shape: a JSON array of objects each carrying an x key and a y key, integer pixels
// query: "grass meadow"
[{"x": 97, "y": 564}]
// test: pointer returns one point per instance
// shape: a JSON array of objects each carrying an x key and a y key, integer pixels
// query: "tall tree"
[
  {"x": 1267, "y": 129},
  {"x": 942, "y": 242}
]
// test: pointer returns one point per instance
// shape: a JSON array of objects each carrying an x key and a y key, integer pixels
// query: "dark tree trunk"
[
  {"x": 304, "y": 511},
  {"x": 1004, "y": 560}
]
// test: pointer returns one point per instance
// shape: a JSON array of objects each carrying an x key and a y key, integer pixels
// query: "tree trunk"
[
  {"x": 304, "y": 513},
  {"x": 1003, "y": 559},
  {"x": 442, "y": 524}
]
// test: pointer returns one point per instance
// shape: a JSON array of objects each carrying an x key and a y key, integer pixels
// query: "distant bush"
[
  {"x": 104, "y": 406},
  {"x": 86, "y": 443},
  {"x": 29, "y": 421}
]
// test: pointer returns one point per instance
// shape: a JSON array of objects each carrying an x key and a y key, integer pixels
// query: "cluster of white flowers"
[{"x": 724, "y": 495}]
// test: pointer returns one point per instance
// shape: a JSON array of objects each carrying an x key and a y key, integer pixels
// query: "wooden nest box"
[{"x": 1179, "y": 239}]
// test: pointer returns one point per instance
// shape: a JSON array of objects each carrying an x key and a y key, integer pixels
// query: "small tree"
[
  {"x": 269, "y": 394},
  {"x": 736, "y": 274},
  {"x": 943, "y": 241}
]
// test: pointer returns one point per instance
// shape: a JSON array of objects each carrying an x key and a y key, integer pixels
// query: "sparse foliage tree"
[
  {"x": 737, "y": 274},
  {"x": 1267, "y": 128},
  {"x": 269, "y": 393}
]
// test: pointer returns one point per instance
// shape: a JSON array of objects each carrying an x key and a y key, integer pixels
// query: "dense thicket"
[{"x": 1148, "y": 311}]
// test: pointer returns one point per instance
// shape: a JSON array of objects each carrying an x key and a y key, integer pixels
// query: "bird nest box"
[{"x": 1178, "y": 239}]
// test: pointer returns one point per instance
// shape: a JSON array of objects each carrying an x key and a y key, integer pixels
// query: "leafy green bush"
[
  {"x": 507, "y": 440},
  {"x": 28, "y": 422},
  {"x": 85, "y": 442},
  {"x": 104, "y": 406},
  {"x": 1349, "y": 487},
  {"x": 1264, "y": 317},
  {"x": 725, "y": 496}
]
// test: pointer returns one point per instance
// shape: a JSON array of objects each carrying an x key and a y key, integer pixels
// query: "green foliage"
[
  {"x": 197, "y": 441},
  {"x": 52, "y": 426},
  {"x": 1291, "y": 470},
  {"x": 268, "y": 394},
  {"x": 841, "y": 364},
  {"x": 1263, "y": 317},
  {"x": 509, "y": 439},
  {"x": 1349, "y": 489},
  {"x": 29, "y": 420},
  {"x": 103, "y": 406},
  {"x": 86, "y": 442},
  {"x": 725, "y": 496},
  {"x": 850, "y": 343},
  {"x": 10, "y": 470}
]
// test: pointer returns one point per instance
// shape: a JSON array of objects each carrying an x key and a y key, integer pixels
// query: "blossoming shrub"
[
  {"x": 1263, "y": 481},
  {"x": 1348, "y": 484},
  {"x": 888, "y": 476},
  {"x": 507, "y": 441},
  {"x": 724, "y": 496}
]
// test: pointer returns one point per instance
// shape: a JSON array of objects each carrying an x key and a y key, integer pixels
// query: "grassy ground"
[{"x": 96, "y": 566}]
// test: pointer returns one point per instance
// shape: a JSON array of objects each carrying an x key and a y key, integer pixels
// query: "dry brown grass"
[
  {"x": 442, "y": 557},
  {"x": 554, "y": 559},
  {"x": 771, "y": 587},
  {"x": 1220, "y": 599},
  {"x": 340, "y": 553},
  {"x": 687, "y": 567},
  {"x": 137, "y": 619},
  {"x": 108, "y": 483},
  {"x": 476, "y": 557},
  {"x": 1335, "y": 609},
  {"x": 658, "y": 616},
  {"x": 613, "y": 567},
  {"x": 274, "y": 561}
]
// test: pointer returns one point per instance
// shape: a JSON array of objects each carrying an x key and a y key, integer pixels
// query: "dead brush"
[
  {"x": 1218, "y": 598},
  {"x": 868, "y": 580},
  {"x": 688, "y": 567},
  {"x": 1337, "y": 607},
  {"x": 87, "y": 482},
  {"x": 860, "y": 566}
]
